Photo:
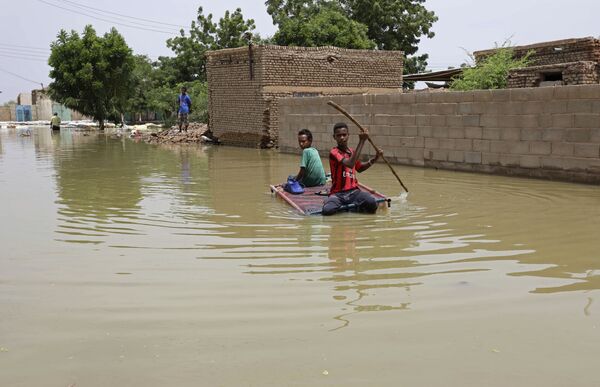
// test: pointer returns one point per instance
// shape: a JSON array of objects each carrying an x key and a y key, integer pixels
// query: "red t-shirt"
[{"x": 342, "y": 177}]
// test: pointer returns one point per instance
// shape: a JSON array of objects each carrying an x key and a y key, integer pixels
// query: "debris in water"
[
  {"x": 2, "y": 349},
  {"x": 496, "y": 350},
  {"x": 325, "y": 372}
]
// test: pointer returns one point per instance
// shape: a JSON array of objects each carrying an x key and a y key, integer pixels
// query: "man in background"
[
  {"x": 185, "y": 106},
  {"x": 55, "y": 122}
]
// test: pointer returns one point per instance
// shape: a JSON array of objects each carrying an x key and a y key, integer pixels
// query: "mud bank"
[{"x": 196, "y": 134}]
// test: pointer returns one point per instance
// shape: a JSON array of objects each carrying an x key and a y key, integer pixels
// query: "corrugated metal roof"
[{"x": 444, "y": 75}]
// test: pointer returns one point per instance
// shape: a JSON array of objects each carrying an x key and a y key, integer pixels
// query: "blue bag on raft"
[{"x": 293, "y": 186}]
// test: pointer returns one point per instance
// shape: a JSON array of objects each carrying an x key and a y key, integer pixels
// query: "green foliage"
[
  {"x": 198, "y": 92},
  {"x": 414, "y": 65},
  {"x": 163, "y": 99},
  {"x": 189, "y": 63},
  {"x": 322, "y": 26},
  {"x": 92, "y": 74},
  {"x": 390, "y": 24},
  {"x": 281, "y": 10},
  {"x": 491, "y": 72},
  {"x": 393, "y": 24},
  {"x": 143, "y": 81}
]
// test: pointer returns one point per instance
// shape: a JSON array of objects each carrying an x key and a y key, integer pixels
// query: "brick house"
[
  {"x": 560, "y": 62},
  {"x": 245, "y": 83}
]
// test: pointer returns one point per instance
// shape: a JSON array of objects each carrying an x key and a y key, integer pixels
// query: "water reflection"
[
  {"x": 375, "y": 263},
  {"x": 458, "y": 237}
]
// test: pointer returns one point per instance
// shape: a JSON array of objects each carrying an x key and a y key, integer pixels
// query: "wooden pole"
[{"x": 362, "y": 129}]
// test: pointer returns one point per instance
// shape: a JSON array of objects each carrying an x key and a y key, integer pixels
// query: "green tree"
[
  {"x": 490, "y": 72},
  {"x": 162, "y": 99},
  {"x": 322, "y": 25},
  {"x": 396, "y": 25},
  {"x": 391, "y": 24},
  {"x": 92, "y": 74},
  {"x": 189, "y": 63},
  {"x": 143, "y": 81},
  {"x": 281, "y": 10},
  {"x": 198, "y": 92}
]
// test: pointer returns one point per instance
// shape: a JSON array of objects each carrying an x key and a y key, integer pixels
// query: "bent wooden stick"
[{"x": 362, "y": 129}]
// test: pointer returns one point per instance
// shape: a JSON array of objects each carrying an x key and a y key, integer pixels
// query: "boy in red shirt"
[{"x": 344, "y": 164}]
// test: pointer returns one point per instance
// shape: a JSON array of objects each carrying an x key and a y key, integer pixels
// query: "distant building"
[
  {"x": 244, "y": 84},
  {"x": 37, "y": 106},
  {"x": 560, "y": 62}
]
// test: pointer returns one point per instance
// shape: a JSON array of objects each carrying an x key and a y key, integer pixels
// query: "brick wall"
[
  {"x": 331, "y": 67},
  {"x": 556, "y": 52},
  {"x": 574, "y": 73},
  {"x": 244, "y": 111},
  {"x": 7, "y": 113},
  {"x": 550, "y": 132},
  {"x": 236, "y": 104}
]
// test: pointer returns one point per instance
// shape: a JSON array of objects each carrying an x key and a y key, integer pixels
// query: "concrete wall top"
[{"x": 500, "y": 95}]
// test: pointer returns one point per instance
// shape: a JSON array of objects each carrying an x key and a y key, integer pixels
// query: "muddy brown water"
[{"x": 127, "y": 264}]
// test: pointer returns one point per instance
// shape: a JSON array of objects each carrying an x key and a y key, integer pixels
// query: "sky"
[{"x": 27, "y": 27}]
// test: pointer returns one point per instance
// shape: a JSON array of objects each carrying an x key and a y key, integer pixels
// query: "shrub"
[{"x": 490, "y": 72}]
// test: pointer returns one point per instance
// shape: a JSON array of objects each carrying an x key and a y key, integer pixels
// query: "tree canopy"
[
  {"x": 189, "y": 63},
  {"x": 322, "y": 25},
  {"x": 491, "y": 72},
  {"x": 393, "y": 24},
  {"x": 92, "y": 75},
  {"x": 390, "y": 24}
]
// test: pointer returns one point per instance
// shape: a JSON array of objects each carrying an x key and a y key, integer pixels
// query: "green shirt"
[
  {"x": 55, "y": 121},
  {"x": 314, "y": 174}
]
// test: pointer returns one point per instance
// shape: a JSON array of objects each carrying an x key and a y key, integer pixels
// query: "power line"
[
  {"x": 19, "y": 76},
  {"x": 45, "y": 54},
  {"x": 26, "y": 48},
  {"x": 106, "y": 20},
  {"x": 20, "y": 53},
  {"x": 121, "y": 18},
  {"x": 23, "y": 58},
  {"x": 119, "y": 14}
]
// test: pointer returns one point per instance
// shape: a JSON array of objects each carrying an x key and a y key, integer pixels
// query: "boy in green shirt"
[{"x": 311, "y": 169}]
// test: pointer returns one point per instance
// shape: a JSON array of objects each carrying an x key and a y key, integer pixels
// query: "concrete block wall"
[{"x": 550, "y": 132}]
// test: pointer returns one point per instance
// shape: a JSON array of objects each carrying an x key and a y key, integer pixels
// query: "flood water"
[{"x": 127, "y": 264}]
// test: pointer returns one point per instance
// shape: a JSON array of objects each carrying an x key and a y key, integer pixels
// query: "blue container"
[{"x": 23, "y": 113}]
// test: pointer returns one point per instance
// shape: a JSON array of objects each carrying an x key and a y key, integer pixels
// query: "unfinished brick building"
[
  {"x": 560, "y": 62},
  {"x": 245, "y": 83}
]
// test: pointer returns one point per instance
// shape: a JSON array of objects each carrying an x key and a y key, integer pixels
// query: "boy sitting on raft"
[
  {"x": 344, "y": 164},
  {"x": 311, "y": 169}
]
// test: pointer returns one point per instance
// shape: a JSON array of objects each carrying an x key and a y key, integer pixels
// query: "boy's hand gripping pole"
[{"x": 362, "y": 129}]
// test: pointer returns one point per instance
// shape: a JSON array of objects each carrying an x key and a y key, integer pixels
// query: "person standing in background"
[
  {"x": 185, "y": 106},
  {"x": 55, "y": 122}
]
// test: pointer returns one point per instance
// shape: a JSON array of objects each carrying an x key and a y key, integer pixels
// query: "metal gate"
[{"x": 23, "y": 112}]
